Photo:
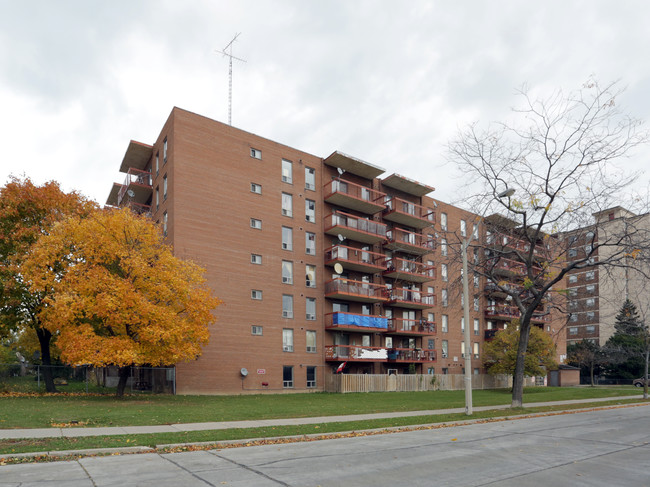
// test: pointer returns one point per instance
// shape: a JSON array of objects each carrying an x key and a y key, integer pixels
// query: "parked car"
[{"x": 639, "y": 382}]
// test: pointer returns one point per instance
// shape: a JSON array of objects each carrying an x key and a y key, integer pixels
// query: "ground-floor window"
[
  {"x": 311, "y": 377},
  {"x": 287, "y": 376}
]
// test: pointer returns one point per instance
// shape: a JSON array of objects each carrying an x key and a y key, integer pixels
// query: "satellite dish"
[
  {"x": 341, "y": 171},
  {"x": 341, "y": 237},
  {"x": 130, "y": 193},
  {"x": 243, "y": 371},
  {"x": 338, "y": 268}
]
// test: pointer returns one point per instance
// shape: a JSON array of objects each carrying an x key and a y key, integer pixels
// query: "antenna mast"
[{"x": 227, "y": 51}]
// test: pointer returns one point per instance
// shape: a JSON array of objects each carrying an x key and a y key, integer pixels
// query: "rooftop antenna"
[{"x": 227, "y": 51}]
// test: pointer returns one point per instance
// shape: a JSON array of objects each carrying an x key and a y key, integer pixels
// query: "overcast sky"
[{"x": 385, "y": 81}]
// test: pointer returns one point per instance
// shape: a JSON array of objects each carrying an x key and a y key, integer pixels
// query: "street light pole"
[{"x": 468, "y": 355}]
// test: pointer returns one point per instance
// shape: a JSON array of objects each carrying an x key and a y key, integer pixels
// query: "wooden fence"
[{"x": 414, "y": 382}]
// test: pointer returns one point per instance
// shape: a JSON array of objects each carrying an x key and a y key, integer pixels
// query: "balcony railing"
[
  {"x": 354, "y": 321},
  {"x": 137, "y": 187},
  {"x": 351, "y": 195},
  {"x": 355, "y": 290},
  {"x": 410, "y": 242},
  {"x": 377, "y": 354},
  {"x": 411, "y": 327},
  {"x": 407, "y": 213},
  {"x": 408, "y": 270},
  {"x": 515, "y": 243},
  {"x": 354, "y": 227},
  {"x": 139, "y": 208},
  {"x": 508, "y": 313},
  {"x": 355, "y": 259},
  {"x": 410, "y": 298},
  {"x": 507, "y": 267}
]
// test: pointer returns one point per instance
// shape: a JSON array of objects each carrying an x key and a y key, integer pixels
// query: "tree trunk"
[
  {"x": 44, "y": 338},
  {"x": 518, "y": 377},
  {"x": 124, "y": 373}
]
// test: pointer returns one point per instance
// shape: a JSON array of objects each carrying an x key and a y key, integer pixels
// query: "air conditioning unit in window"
[
  {"x": 310, "y": 186},
  {"x": 444, "y": 355},
  {"x": 287, "y": 314},
  {"x": 286, "y": 280},
  {"x": 311, "y": 219},
  {"x": 286, "y": 212},
  {"x": 287, "y": 348},
  {"x": 309, "y": 251},
  {"x": 311, "y": 316},
  {"x": 285, "y": 246},
  {"x": 311, "y": 349},
  {"x": 286, "y": 179}
]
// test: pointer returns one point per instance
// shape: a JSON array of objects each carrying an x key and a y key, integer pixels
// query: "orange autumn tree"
[
  {"x": 27, "y": 213},
  {"x": 118, "y": 296}
]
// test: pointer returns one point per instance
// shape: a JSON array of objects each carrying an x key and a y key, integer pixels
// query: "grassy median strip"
[
  {"x": 151, "y": 440},
  {"x": 43, "y": 411}
]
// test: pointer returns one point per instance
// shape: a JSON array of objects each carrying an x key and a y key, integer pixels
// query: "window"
[
  {"x": 431, "y": 343},
  {"x": 476, "y": 304},
  {"x": 462, "y": 349},
  {"x": 256, "y": 224},
  {"x": 287, "y": 204},
  {"x": 256, "y": 294},
  {"x": 310, "y": 309},
  {"x": 445, "y": 349},
  {"x": 341, "y": 307},
  {"x": 443, "y": 221},
  {"x": 287, "y": 376},
  {"x": 310, "y": 211},
  {"x": 431, "y": 317},
  {"x": 165, "y": 150},
  {"x": 256, "y": 330},
  {"x": 590, "y": 329},
  {"x": 476, "y": 350},
  {"x": 310, "y": 275},
  {"x": 164, "y": 187},
  {"x": 287, "y": 272},
  {"x": 287, "y": 306},
  {"x": 476, "y": 326},
  {"x": 256, "y": 154},
  {"x": 443, "y": 246},
  {"x": 591, "y": 302},
  {"x": 573, "y": 330},
  {"x": 591, "y": 315},
  {"x": 256, "y": 259},
  {"x": 474, "y": 231},
  {"x": 573, "y": 252},
  {"x": 589, "y": 275},
  {"x": 444, "y": 297},
  {"x": 256, "y": 188},
  {"x": 445, "y": 323},
  {"x": 164, "y": 224},
  {"x": 573, "y": 317},
  {"x": 443, "y": 272},
  {"x": 287, "y": 238},
  {"x": 310, "y": 243},
  {"x": 286, "y": 171},
  {"x": 431, "y": 370},
  {"x": 573, "y": 292},
  {"x": 591, "y": 288},
  {"x": 310, "y": 178},
  {"x": 157, "y": 197},
  {"x": 463, "y": 228},
  {"x": 310, "y": 339},
  {"x": 157, "y": 163},
  {"x": 311, "y": 377},
  {"x": 287, "y": 339},
  {"x": 462, "y": 325},
  {"x": 573, "y": 278}
]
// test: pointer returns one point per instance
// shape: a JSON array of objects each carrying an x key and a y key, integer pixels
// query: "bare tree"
[{"x": 542, "y": 178}]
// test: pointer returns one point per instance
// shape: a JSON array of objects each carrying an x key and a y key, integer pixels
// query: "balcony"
[
  {"x": 409, "y": 242},
  {"x": 502, "y": 241},
  {"x": 137, "y": 187},
  {"x": 508, "y": 313},
  {"x": 410, "y": 298},
  {"x": 398, "y": 326},
  {"x": 407, "y": 213},
  {"x": 408, "y": 270},
  {"x": 355, "y": 259},
  {"x": 365, "y": 292},
  {"x": 353, "y": 196},
  {"x": 411, "y": 355},
  {"x": 355, "y": 322},
  {"x": 507, "y": 267},
  {"x": 355, "y": 228},
  {"x": 357, "y": 353},
  {"x": 138, "y": 208}
]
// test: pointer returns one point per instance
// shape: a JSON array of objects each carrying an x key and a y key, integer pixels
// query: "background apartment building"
[
  {"x": 322, "y": 264},
  {"x": 596, "y": 294}
]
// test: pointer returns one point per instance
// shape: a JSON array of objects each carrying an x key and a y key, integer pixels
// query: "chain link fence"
[{"x": 102, "y": 380}]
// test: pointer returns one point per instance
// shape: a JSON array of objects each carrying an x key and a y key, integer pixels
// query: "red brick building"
[{"x": 319, "y": 261}]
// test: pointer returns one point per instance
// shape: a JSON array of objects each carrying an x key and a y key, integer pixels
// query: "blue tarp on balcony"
[{"x": 359, "y": 320}]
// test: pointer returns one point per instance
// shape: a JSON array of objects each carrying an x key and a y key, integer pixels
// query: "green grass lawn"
[{"x": 45, "y": 411}]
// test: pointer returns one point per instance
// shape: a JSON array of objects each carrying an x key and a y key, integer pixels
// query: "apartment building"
[
  {"x": 324, "y": 265},
  {"x": 595, "y": 294}
]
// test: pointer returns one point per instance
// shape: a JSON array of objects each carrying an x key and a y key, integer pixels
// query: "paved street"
[{"x": 597, "y": 448}]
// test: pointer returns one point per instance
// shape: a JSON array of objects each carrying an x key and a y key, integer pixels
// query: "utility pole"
[{"x": 467, "y": 336}]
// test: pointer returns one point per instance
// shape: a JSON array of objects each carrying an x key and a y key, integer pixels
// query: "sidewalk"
[{"x": 75, "y": 432}]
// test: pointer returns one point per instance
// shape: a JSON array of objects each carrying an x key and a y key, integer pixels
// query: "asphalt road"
[{"x": 596, "y": 448}]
